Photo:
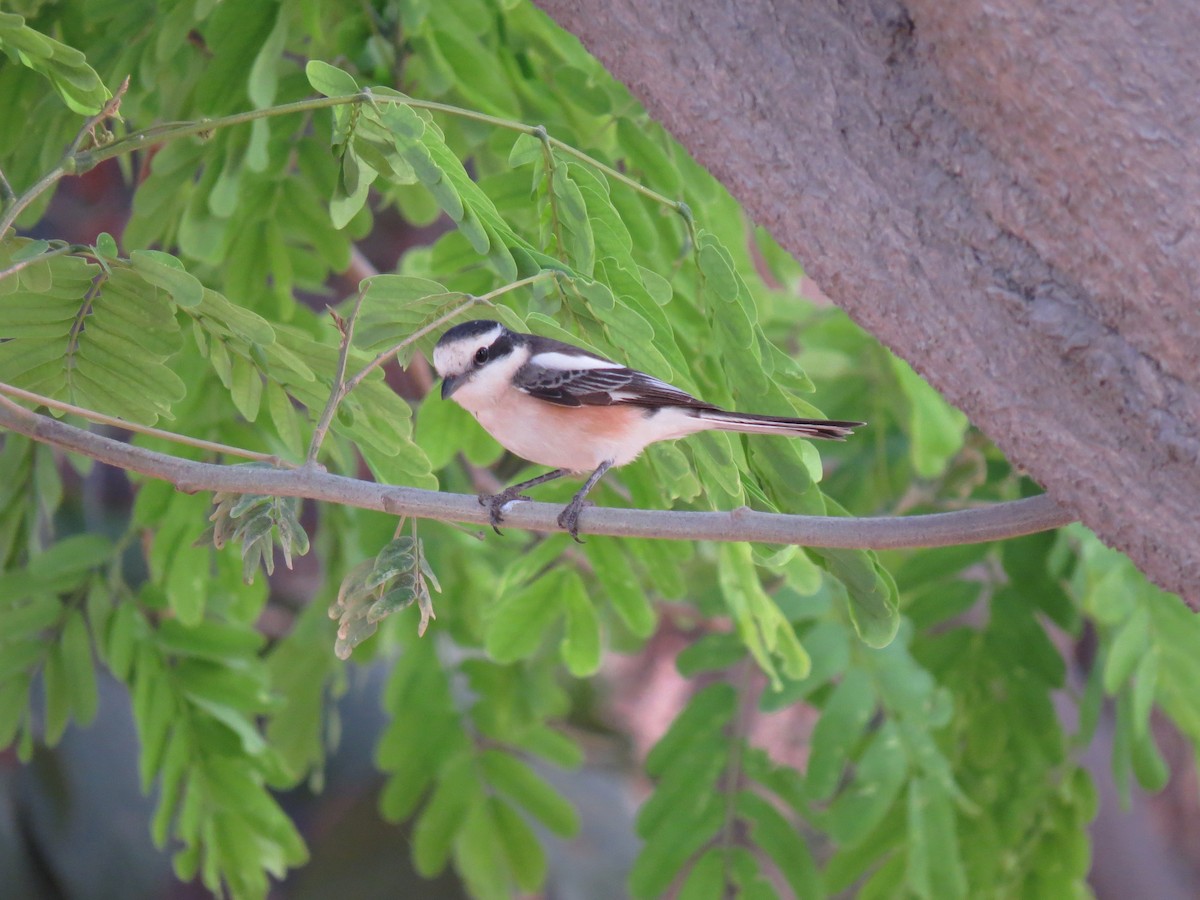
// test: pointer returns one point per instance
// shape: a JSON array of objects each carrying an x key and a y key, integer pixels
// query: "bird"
[{"x": 558, "y": 405}]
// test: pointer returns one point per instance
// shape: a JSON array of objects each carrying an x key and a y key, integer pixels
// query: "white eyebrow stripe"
[{"x": 566, "y": 362}]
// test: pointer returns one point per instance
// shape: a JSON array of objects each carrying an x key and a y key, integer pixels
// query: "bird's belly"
[{"x": 564, "y": 437}]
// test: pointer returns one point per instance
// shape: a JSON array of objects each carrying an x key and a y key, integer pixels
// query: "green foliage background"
[{"x": 938, "y": 766}]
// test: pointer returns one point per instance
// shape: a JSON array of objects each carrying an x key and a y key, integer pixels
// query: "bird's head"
[{"x": 468, "y": 349}]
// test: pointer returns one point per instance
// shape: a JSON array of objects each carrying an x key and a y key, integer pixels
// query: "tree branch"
[{"x": 996, "y": 522}]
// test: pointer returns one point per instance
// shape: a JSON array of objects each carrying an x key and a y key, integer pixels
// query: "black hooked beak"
[{"x": 450, "y": 384}]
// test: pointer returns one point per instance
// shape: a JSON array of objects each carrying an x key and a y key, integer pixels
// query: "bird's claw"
[
  {"x": 568, "y": 519},
  {"x": 495, "y": 503}
]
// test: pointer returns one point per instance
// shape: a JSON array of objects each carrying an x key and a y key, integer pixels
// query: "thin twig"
[
  {"x": 110, "y": 110},
  {"x": 6, "y": 191},
  {"x": 551, "y": 201},
  {"x": 102, "y": 419},
  {"x": 68, "y": 165},
  {"x": 46, "y": 182},
  {"x": 339, "y": 389},
  {"x": 160, "y": 133},
  {"x": 34, "y": 260},
  {"x": 990, "y": 523}
]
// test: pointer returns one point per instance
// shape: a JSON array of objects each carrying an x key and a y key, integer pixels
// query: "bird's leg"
[
  {"x": 569, "y": 517},
  {"x": 495, "y": 503}
]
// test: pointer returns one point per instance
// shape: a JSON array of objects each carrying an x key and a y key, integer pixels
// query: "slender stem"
[
  {"x": 139, "y": 139},
  {"x": 110, "y": 109},
  {"x": 102, "y": 419},
  {"x": 6, "y": 191},
  {"x": 551, "y": 200},
  {"x": 88, "y": 159},
  {"x": 990, "y": 523},
  {"x": 34, "y": 260},
  {"x": 338, "y": 390},
  {"x": 738, "y": 733},
  {"x": 68, "y": 165},
  {"x": 75, "y": 161},
  {"x": 615, "y": 175},
  {"x": 537, "y": 131},
  {"x": 44, "y": 184}
]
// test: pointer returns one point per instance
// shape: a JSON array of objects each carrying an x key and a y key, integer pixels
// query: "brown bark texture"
[{"x": 1005, "y": 192}]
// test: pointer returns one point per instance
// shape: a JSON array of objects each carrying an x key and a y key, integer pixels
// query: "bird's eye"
[{"x": 481, "y": 356}]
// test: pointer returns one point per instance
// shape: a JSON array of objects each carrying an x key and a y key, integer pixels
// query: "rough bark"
[{"x": 1005, "y": 192}]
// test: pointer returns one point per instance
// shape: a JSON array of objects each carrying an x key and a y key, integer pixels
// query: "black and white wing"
[{"x": 571, "y": 377}]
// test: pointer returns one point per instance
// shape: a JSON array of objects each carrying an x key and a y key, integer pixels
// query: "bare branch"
[
  {"x": 34, "y": 260},
  {"x": 101, "y": 418},
  {"x": 996, "y": 522},
  {"x": 339, "y": 388}
]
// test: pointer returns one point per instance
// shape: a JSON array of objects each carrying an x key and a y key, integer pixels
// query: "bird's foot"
[
  {"x": 495, "y": 503},
  {"x": 569, "y": 517}
]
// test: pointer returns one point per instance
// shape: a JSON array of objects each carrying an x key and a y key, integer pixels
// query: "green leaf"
[
  {"x": 14, "y": 700},
  {"x": 874, "y": 607},
  {"x": 581, "y": 642},
  {"x": 518, "y": 624},
  {"x": 286, "y": 419},
  {"x": 708, "y": 878},
  {"x": 106, "y": 245},
  {"x": 30, "y": 250},
  {"x": 764, "y": 629},
  {"x": 712, "y": 652},
  {"x": 123, "y": 633},
  {"x": 705, "y": 715},
  {"x": 216, "y": 641},
  {"x": 57, "y": 688},
  {"x": 65, "y": 67},
  {"x": 18, "y": 657},
  {"x": 443, "y": 816},
  {"x": 879, "y": 774},
  {"x": 622, "y": 587},
  {"x": 165, "y": 271},
  {"x": 264, "y": 72},
  {"x": 514, "y": 779},
  {"x": 27, "y": 619},
  {"x": 526, "y": 149},
  {"x": 1128, "y": 648},
  {"x": 251, "y": 740},
  {"x": 480, "y": 854},
  {"x": 717, "y": 268},
  {"x": 934, "y": 867},
  {"x": 579, "y": 242},
  {"x": 220, "y": 316},
  {"x": 842, "y": 721},
  {"x": 935, "y": 429},
  {"x": 781, "y": 841},
  {"x": 78, "y": 670},
  {"x": 246, "y": 390},
  {"x": 100, "y": 341},
  {"x": 828, "y": 646},
  {"x": 64, "y": 565},
  {"x": 329, "y": 80},
  {"x": 666, "y": 852},
  {"x": 350, "y": 194},
  {"x": 524, "y": 853},
  {"x": 1149, "y": 766}
]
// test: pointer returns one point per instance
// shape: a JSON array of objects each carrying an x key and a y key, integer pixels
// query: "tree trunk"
[{"x": 1005, "y": 192}]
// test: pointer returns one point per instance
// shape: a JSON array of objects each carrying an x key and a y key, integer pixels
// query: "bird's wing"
[{"x": 585, "y": 380}]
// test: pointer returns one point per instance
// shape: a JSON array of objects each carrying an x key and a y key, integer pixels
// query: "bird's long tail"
[{"x": 828, "y": 429}]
